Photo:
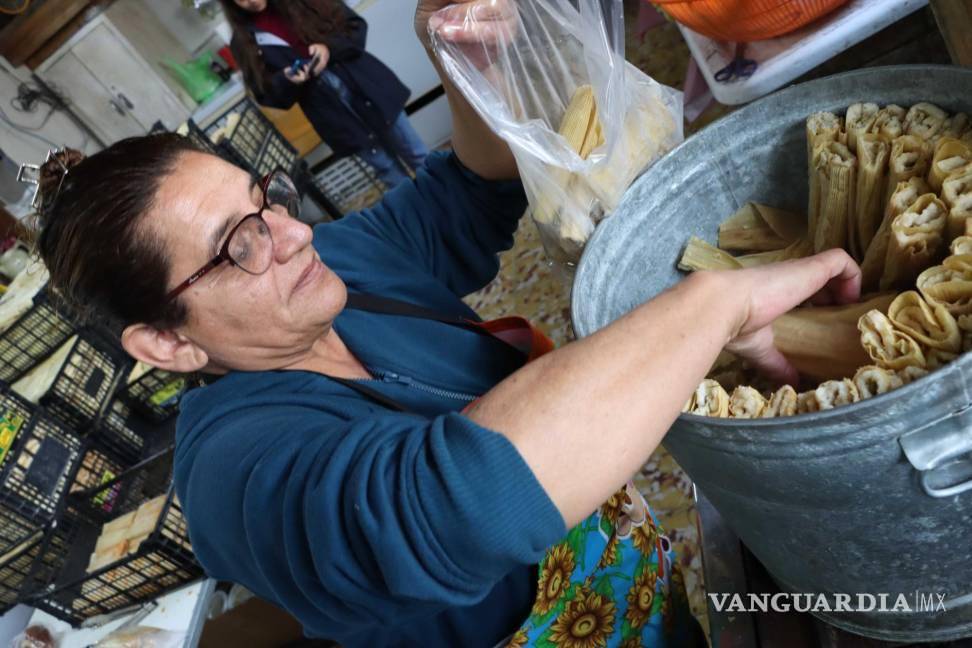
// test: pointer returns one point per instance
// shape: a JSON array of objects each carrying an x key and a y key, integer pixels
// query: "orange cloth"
[{"x": 746, "y": 20}]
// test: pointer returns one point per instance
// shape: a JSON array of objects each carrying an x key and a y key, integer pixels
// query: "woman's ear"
[{"x": 163, "y": 349}]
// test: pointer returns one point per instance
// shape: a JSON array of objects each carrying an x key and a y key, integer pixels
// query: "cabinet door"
[
  {"x": 129, "y": 79},
  {"x": 89, "y": 98}
]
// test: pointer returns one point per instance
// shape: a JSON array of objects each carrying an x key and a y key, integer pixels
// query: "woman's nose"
[{"x": 290, "y": 236}]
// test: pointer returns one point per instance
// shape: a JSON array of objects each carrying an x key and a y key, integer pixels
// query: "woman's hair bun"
[{"x": 53, "y": 171}]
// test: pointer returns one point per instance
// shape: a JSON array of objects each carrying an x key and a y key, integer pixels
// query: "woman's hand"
[
  {"x": 476, "y": 25},
  {"x": 323, "y": 54},
  {"x": 299, "y": 77},
  {"x": 831, "y": 277}
]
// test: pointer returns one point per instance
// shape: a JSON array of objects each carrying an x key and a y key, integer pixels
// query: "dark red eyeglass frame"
[{"x": 224, "y": 249}]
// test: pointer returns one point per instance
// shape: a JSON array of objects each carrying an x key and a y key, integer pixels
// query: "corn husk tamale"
[
  {"x": 836, "y": 170},
  {"x": 910, "y": 157},
  {"x": 950, "y": 288},
  {"x": 889, "y": 122},
  {"x": 700, "y": 255},
  {"x": 961, "y": 245},
  {"x": 887, "y": 346},
  {"x": 873, "y": 152},
  {"x": 925, "y": 120},
  {"x": 950, "y": 155},
  {"x": 859, "y": 120},
  {"x": 561, "y": 205},
  {"x": 783, "y": 402},
  {"x": 911, "y": 373},
  {"x": 957, "y": 195},
  {"x": 807, "y": 402},
  {"x": 916, "y": 242},
  {"x": 834, "y": 393},
  {"x": 760, "y": 228},
  {"x": 906, "y": 193},
  {"x": 710, "y": 399},
  {"x": 822, "y": 128},
  {"x": 746, "y": 402},
  {"x": 931, "y": 325},
  {"x": 797, "y": 250},
  {"x": 965, "y": 326},
  {"x": 872, "y": 380},
  {"x": 823, "y": 342},
  {"x": 956, "y": 126},
  {"x": 957, "y": 185}
]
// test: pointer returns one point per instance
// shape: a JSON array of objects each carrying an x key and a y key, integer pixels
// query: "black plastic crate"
[
  {"x": 35, "y": 476},
  {"x": 33, "y": 562},
  {"x": 119, "y": 429},
  {"x": 160, "y": 562},
  {"x": 100, "y": 466},
  {"x": 156, "y": 394},
  {"x": 32, "y": 338},
  {"x": 349, "y": 183},
  {"x": 87, "y": 380},
  {"x": 255, "y": 143}
]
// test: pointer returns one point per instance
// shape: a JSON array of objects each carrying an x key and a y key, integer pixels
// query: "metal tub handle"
[{"x": 935, "y": 450}]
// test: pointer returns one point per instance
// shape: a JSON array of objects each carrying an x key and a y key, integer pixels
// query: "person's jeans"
[{"x": 407, "y": 152}]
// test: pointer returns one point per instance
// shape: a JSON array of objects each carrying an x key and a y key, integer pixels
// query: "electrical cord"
[{"x": 26, "y": 101}]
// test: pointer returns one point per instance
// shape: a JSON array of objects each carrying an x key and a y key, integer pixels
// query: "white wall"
[
  {"x": 185, "y": 23},
  {"x": 392, "y": 39},
  {"x": 19, "y": 146}
]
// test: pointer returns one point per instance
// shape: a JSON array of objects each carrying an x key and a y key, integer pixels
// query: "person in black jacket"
[{"x": 353, "y": 101}]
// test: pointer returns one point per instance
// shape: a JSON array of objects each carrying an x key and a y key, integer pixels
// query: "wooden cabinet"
[{"x": 113, "y": 80}]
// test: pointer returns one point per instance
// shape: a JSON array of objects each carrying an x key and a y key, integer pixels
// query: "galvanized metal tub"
[{"x": 871, "y": 498}]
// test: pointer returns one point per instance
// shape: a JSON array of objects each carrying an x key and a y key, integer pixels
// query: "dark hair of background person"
[
  {"x": 312, "y": 20},
  {"x": 105, "y": 265}
]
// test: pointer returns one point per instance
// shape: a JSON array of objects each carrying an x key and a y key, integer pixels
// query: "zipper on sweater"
[{"x": 391, "y": 377}]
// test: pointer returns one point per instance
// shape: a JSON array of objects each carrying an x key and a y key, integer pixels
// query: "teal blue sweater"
[{"x": 372, "y": 527}]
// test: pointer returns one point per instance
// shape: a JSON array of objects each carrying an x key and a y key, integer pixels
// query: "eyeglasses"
[{"x": 249, "y": 245}]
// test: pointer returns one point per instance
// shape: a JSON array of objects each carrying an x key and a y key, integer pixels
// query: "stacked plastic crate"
[{"x": 72, "y": 455}]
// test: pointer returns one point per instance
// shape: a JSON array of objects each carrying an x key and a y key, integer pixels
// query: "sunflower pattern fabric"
[{"x": 611, "y": 583}]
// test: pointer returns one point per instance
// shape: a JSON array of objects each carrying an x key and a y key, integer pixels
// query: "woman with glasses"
[
  {"x": 366, "y": 453},
  {"x": 353, "y": 101}
]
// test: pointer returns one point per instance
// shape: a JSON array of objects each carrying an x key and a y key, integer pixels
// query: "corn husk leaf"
[
  {"x": 911, "y": 374},
  {"x": 759, "y": 228},
  {"x": 932, "y": 326},
  {"x": 746, "y": 402},
  {"x": 822, "y": 128},
  {"x": 872, "y": 380},
  {"x": 796, "y": 250},
  {"x": 823, "y": 342},
  {"x": 905, "y": 194},
  {"x": 956, "y": 126},
  {"x": 950, "y": 288},
  {"x": 916, "y": 242},
  {"x": 700, "y": 255}
]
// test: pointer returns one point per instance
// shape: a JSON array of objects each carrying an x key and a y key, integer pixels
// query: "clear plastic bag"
[{"x": 521, "y": 63}]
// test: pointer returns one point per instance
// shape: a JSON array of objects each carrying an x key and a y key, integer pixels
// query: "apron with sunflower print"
[{"x": 611, "y": 583}]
